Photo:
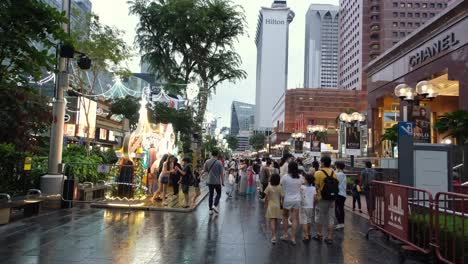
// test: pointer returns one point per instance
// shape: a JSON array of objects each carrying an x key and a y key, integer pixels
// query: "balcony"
[{"x": 375, "y": 28}]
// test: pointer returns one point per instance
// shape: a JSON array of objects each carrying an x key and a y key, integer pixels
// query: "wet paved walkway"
[{"x": 237, "y": 235}]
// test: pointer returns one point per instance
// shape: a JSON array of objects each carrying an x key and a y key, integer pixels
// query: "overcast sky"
[{"x": 115, "y": 13}]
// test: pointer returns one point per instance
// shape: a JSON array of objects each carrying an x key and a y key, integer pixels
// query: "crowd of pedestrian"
[{"x": 295, "y": 197}]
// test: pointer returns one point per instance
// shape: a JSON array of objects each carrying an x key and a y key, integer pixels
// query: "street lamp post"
[
  {"x": 424, "y": 91},
  {"x": 354, "y": 119}
]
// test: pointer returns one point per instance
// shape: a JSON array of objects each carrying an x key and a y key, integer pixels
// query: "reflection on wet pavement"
[{"x": 238, "y": 235}]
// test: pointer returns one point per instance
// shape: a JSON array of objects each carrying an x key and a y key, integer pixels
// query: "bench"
[
  {"x": 30, "y": 203},
  {"x": 88, "y": 191}
]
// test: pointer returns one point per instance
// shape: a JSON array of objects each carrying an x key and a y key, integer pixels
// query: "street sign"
[
  {"x": 405, "y": 129},
  {"x": 67, "y": 118}
]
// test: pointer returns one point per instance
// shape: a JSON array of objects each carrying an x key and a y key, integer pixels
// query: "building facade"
[
  {"x": 321, "y": 46},
  {"x": 437, "y": 53},
  {"x": 369, "y": 28},
  {"x": 303, "y": 107},
  {"x": 242, "y": 117},
  {"x": 272, "y": 60}
]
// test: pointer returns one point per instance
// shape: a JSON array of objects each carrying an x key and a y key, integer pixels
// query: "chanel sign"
[{"x": 433, "y": 50}]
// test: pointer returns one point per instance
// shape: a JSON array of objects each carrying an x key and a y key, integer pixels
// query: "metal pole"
[{"x": 52, "y": 183}]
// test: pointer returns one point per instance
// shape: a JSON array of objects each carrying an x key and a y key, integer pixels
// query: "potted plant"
[{"x": 456, "y": 124}]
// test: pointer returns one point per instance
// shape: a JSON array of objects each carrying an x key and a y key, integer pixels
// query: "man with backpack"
[
  {"x": 367, "y": 176},
  {"x": 326, "y": 183}
]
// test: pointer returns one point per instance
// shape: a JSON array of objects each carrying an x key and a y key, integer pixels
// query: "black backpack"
[{"x": 330, "y": 187}]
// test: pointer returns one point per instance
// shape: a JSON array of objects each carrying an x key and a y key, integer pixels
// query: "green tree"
[
  {"x": 233, "y": 142},
  {"x": 456, "y": 124},
  {"x": 186, "y": 40},
  {"x": 29, "y": 29},
  {"x": 106, "y": 48},
  {"x": 25, "y": 116},
  {"x": 180, "y": 119},
  {"x": 257, "y": 141},
  {"x": 128, "y": 107},
  {"x": 209, "y": 144}
]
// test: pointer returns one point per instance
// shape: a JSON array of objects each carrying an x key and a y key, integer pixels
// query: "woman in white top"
[
  {"x": 340, "y": 201},
  {"x": 291, "y": 185},
  {"x": 284, "y": 164}
]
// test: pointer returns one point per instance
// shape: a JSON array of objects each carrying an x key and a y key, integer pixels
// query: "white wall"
[{"x": 272, "y": 79}]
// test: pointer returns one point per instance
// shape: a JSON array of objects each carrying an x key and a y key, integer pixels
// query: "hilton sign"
[
  {"x": 271, "y": 21},
  {"x": 433, "y": 50}
]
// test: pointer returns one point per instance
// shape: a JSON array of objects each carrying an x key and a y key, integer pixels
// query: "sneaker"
[
  {"x": 215, "y": 209},
  {"x": 211, "y": 211},
  {"x": 339, "y": 226}
]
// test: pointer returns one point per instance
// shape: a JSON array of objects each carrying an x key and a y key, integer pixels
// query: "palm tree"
[{"x": 456, "y": 124}]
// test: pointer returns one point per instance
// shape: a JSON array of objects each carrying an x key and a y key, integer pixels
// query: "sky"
[{"x": 115, "y": 13}]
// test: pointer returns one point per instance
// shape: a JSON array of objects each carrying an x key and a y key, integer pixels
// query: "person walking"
[
  {"x": 291, "y": 184},
  {"x": 340, "y": 201},
  {"x": 175, "y": 178},
  {"x": 196, "y": 186},
  {"x": 243, "y": 177},
  {"x": 367, "y": 176},
  {"x": 215, "y": 171},
  {"x": 356, "y": 192},
  {"x": 273, "y": 197},
  {"x": 284, "y": 164},
  {"x": 265, "y": 173},
  {"x": 326, "y": 183},
  {"x": 306, "y": 213},
  {"x": 187, "y": 178},
  {"x": 231, "y": 181}
]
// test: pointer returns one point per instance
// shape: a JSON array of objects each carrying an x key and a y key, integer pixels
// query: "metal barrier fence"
[
  {"x": 402, "y": 212},
  {"x": 424, "y": 224},
  {"x": 451, "y": 227}
]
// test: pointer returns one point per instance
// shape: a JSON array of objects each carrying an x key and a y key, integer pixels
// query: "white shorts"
[
  {"x": 306, "y": 216},
  {"x": 288, "y": 205}
]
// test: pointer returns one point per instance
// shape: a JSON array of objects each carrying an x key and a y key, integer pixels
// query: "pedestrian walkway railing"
[{"x": 423, "y": 223}]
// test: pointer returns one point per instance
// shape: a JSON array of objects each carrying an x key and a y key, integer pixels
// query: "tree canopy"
[
  {"x": 233, "y": 142},
  {"x": 191, "y": 40},
  {"x": 29, "y": 31},
  {"x": 257, "y": 141},
  {"x": 24, "y": 116},
  {"x": 128, "y": 107}
]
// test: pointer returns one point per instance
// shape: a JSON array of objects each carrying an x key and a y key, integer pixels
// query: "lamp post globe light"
[{"x": 425, "y": 90}]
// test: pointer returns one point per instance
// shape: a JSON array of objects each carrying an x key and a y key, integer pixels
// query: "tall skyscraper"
[
  {"x": 242, "y": 117},
  {"x": 369, "y": 28},
  {"x": 272, "y": 60},
  {"x": 321, "y": 47}
]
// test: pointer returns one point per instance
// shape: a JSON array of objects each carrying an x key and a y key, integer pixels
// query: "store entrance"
[{"x": 423, "y": 113}]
